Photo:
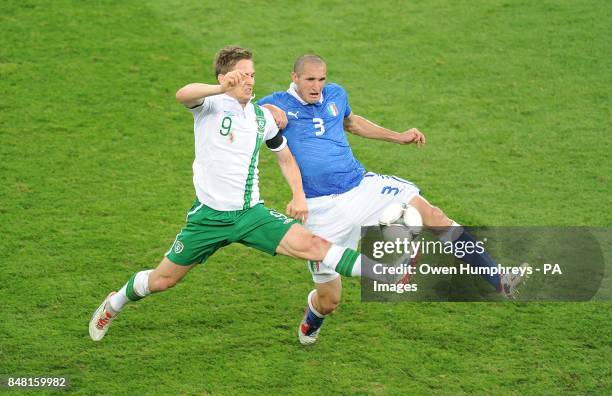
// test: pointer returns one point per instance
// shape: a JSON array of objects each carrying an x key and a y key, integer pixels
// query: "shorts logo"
[
  {"x": 280, "y": 216},
  {"x": 178, "y": 247},
  {"x": 315, "y": 266}
]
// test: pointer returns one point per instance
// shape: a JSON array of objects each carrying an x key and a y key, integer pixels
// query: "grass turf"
[{"x": 95, "y": 163}]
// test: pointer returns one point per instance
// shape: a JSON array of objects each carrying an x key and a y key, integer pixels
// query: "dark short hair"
[
  {"x": 228, "y": 56},
  {"x": 298, "y": 66}
]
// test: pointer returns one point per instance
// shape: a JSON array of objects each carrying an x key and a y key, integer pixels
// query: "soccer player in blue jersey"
[{"x": 341, "y": 196}]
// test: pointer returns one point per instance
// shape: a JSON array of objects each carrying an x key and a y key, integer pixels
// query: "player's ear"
[
  {"x": 294, "y": 77},
  {"x": 220, "y": 78}
]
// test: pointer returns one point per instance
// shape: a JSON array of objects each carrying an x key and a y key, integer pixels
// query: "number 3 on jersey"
[{"x": 320, "y": 128}]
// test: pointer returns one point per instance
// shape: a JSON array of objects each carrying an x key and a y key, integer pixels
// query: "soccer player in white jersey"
[
  {"x": 341, "y": 195},
  {"x": 229, "y": 131}
]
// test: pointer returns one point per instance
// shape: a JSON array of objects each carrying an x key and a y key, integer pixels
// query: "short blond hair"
[{"x": 228, "y": 56}]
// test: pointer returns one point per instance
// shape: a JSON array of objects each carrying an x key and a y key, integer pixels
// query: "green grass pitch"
[{"x": 95, "y": 164}]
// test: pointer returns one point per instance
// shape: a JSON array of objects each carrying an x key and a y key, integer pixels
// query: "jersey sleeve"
[
  {"x": 347, "y": 111},
  {"x": 207, "y": 106},
  {"x": 271, "y": 128}
]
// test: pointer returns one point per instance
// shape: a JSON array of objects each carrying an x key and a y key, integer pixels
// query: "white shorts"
[{"x": 339, "y": 218}]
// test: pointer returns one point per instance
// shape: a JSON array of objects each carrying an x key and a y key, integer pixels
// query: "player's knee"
[
  {"x": 317, "y": 248},
  {"x": 328, "y": 304}
]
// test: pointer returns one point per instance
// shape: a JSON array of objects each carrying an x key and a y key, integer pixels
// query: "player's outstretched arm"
[
  {"x": 360, "y": 126},
  {"x": 193, "y": 94},
  {"x": 297, "y": 207}
]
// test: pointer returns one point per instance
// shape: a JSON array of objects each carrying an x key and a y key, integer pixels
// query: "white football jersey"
[{"x": 227, "y": 142}]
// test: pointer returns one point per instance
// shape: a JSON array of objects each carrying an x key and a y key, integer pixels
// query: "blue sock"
[
  {"x": 312, "y": 321},
  {"x": 479, "y": 259}
]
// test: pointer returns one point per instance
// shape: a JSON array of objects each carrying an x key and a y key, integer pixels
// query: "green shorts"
[{"x": 208, "y": 230}]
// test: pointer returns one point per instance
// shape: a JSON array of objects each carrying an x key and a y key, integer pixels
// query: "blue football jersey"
[{"x": 316, "y": 137}]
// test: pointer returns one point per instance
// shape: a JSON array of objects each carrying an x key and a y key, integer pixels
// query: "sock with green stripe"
[
  {"x": 343, "y": 260},
  {"x": 136, "y": 288},
  {"x": 347, "y": 262}
]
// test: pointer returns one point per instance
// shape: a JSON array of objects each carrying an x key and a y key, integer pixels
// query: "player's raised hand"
[
  {"x": 232, "y": 79},
  {"x": 413, "y": 135},
  {"x": 298, "y": 209}
]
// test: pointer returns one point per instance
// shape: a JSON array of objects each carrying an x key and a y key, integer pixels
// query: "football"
[
  {"x": 404, "y": 216},
  {"x": 401, "y": 223}
]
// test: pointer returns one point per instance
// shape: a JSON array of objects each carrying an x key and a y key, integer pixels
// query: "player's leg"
[
  {"x": 197, "y": 241},
  {"x": 340, "y": 219},
  {"x": 319, "y": 303},
  {"x": 381, "y": 190},
  {"x": 326, "y": 221},
  {"x": 327, "y": 296},
  {"x": 275, "y": 233},
  {"x": 448, "y": 230},
  {"x": 264, "y": 229},
  {"x": 323, "y": 220},
  {"x": 301, "y": 243},
  {"x": 272, "y": 232},
  {"x": 139, "y": 286},
  {"x": 433, "y": 217},
  {"x": 376, "y": 192}
]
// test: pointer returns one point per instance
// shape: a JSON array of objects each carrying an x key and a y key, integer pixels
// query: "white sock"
[
  {"x": 135, "y": 289},
  {"x": 333, "y": 256},
  {"x": 348, "y": 262},
  {"x": 141, "y": 283},
  {"x": 356, "y": 271},
  {"x": 118, "y": 300},
  {"x": 343, "y": 260}
]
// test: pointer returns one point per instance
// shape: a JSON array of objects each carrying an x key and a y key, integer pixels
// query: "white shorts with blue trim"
[{"x": 339, "y": 218}]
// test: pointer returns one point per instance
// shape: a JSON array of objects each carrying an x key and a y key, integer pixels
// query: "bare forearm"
[
  {"x": 193, "y": 94},
  {"x": 291, "y": 173},
  {"x": 360, "y": 126},
  {"x": 297, "y": 207},
  {"x": 367, "y": 129}
]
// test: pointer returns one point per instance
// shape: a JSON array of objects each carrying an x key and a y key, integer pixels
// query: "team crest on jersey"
[
  {"x": 332, "y": 110},
  {"x": 261, "y": 123},
  {"x": 178, "y": 247}
]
